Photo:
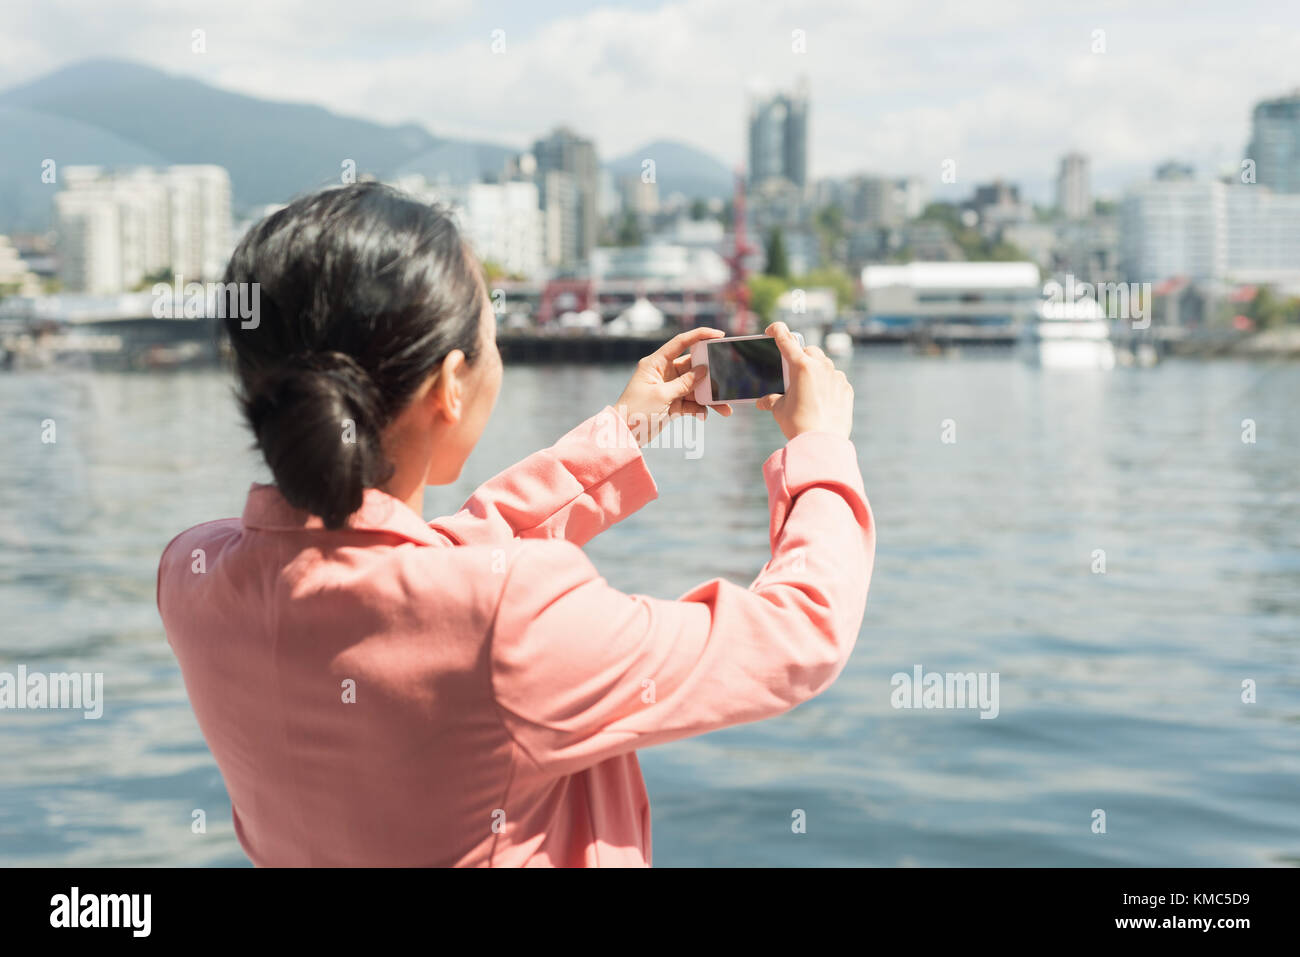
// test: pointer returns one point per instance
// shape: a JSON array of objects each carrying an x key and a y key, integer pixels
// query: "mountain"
[
  {"x": 113, "y": 112},
  {"x": 679, "y": 169},
  {"x": 117, "y": 113},
  {"x": 459, "y": 161},
  {"x": 28, "y": 139}
]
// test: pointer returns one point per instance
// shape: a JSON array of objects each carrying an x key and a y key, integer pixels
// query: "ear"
[{"x": 448, "y": 389}]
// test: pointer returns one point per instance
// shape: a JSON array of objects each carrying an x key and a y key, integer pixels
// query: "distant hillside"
[
  {"x": 117, "y": 113},
  {"x": 30, "y": 139},
  {"x": 113, "y": 112},
  {"x": 679, "y": 169},
  {"x": 459, "y": 161}
]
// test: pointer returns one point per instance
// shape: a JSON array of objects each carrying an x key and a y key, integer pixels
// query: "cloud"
[{"x": 1003, "y": 87}]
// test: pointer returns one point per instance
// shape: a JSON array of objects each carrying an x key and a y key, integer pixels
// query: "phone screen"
[{"x": 745, "y": 369}]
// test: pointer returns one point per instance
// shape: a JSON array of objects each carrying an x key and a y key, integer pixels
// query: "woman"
[{"x": 381, "y": 690}]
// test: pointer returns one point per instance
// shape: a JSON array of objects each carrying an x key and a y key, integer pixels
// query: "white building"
[
  {"x": 1260, "y": 235},
  {"x": 1073, "y": 190},
  {"x": 1169, "y": 227},
  {"x": 977, "y": 293},
  {"x": 15, "y": 277},
  {"x": 1212, "y": 230},
  {"x": 561, "y": 219},
  {"x": 199, "y": 226},
  {"x": 503, "y": 222},
  {"x": 90, "y": 243},
  {"x": 117, "y": 228}
]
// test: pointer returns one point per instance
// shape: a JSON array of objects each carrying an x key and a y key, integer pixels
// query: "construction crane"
[{"x": 743, "y": 320}]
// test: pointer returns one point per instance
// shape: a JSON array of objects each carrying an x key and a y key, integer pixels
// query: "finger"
[
  {"x": 785, "y": 341},
  {"x": 678, "y": 366},
  {"x": 766, "y": 403},
  {"x": 817, "y": 354},
  {"x": 681, "y": 342},
  {"x": 723, "y": 410}
]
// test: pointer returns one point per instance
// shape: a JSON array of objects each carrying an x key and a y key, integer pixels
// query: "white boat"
[
  {"x": 838, "y": 344},
  {"x": 1068, "y": 335}
]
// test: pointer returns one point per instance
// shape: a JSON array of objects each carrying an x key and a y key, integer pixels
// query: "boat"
[
  {"x": 1068, "y": 335},
  {"x": 836, "y": 341}
]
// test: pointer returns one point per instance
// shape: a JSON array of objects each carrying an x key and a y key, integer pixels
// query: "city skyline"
[{"x": 879, "y": 105}]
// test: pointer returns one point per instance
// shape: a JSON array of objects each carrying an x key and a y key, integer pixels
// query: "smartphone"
[{"x": 741, "y": 369}]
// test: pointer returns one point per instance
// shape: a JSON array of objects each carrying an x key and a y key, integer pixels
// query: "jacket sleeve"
[
  {"x": 590, "y": 479},
  {"x": 582, "y": 672}
]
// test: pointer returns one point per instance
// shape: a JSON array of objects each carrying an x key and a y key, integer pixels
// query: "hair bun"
[{"x": 316, "y": 417}]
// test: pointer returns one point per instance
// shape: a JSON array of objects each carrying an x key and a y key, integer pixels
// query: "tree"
[
  {"x": 777, "y": 265},
  {"x": 629, "y": 231},
  {"x": 149, "y": 280},
  {"x": 699, "y": 209},
  {"x": 764, "y": 291},
  {"x": 494, "y": 271},
  {"x": 1270, "y": 310},
  {"x": 828, "y": 223},
  {"x": 831, "y": 277}
]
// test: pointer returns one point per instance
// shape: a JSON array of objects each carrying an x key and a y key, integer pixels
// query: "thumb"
[{"x": 684, "y": 384}]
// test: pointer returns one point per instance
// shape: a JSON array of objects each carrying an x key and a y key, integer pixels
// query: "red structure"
[
  {"x": 743, "y": 321},
  {"x": 565, "y": 295}
]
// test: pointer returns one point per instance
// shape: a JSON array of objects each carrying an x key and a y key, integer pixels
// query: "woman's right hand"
[{"x": 818, "y": 396}]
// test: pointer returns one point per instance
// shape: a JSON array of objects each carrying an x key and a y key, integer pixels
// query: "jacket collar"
[{"x": 268, "y": 510}]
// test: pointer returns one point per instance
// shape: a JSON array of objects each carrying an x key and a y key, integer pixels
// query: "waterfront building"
[
  {"x": 1209, "y": 230},
  {"x": 969, "y": 293},
  {"x": 117, "y": 229}
]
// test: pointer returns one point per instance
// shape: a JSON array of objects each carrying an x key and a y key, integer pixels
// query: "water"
[{"x": 1118, "y": 691}]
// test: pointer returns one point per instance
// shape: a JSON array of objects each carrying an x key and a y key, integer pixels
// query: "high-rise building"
[
  {"x": 561, "y": 218},
  {"x": 502, "y": 222},
  {"x": 116, "y": 229},
  {"x": 564, "y": 151},
  {"x": 199, "y": 227},
  {"x": 1073, "y": 190},
  {"x": 778, "y": 138},
  {"x": 1169, "y": 227},
  {"x": 998, "y": 203},
  {"x": 1209, "y": 230},
  {"x": 1275, "y": 143},
  {"x": 882, "y": 201},
  {"x": 637, "y": 196}
]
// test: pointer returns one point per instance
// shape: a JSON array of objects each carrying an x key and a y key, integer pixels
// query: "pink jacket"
[{"x": 470, "y": 691}]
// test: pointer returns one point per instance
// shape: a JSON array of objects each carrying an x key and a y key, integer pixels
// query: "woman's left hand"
[{"x": 663, "y": 386}]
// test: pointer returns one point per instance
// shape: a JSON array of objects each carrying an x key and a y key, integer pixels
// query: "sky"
[{"x": 1001, "y": 88}]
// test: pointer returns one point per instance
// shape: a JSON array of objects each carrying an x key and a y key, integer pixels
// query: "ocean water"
[{"x": 1120, "y": 690}]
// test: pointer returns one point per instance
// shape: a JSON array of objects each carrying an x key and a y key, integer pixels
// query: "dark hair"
[{"x": 362, "y": 292}]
